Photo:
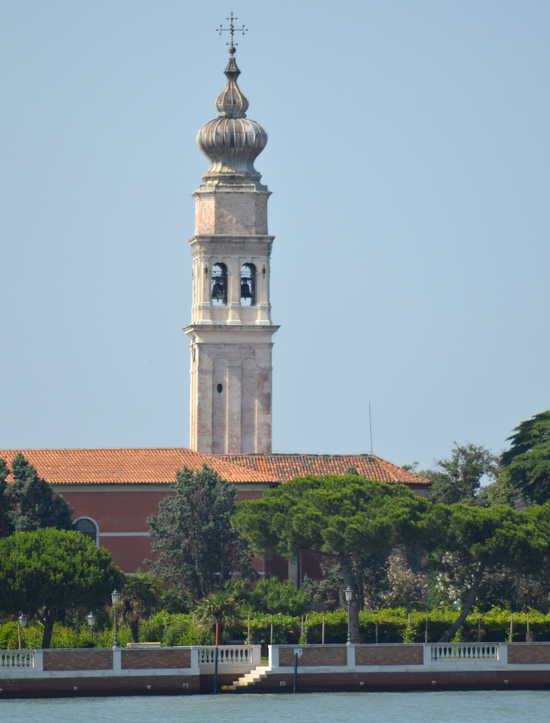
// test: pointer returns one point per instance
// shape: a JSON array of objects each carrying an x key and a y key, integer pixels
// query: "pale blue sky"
[{"x": 409, "y": 163}]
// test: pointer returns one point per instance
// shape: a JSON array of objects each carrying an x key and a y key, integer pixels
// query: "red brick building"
[{"x": 112, "y": 492}]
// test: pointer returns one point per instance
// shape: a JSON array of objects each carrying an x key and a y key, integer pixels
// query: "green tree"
[
  {"x": 34, "y": 502},
  {"x": 271, "y": 595},
  {"x": 500, "y": 492},
  {"x": 346, "y": 519},
  {"x": 46, "y": 571},
  {"x": 459, "y": 477},
  {"x": 6, "y": 526},
  {"x": 141, "y": 597},
  {"x": 470, "y": 545},
  {"x": 221, "y": 608},
  {"x": 527, "y": 463},
  {"x": 195, "y": 543}
]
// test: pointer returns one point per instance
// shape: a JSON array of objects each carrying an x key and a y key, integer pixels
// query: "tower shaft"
[{"x": 231, "y": 329}]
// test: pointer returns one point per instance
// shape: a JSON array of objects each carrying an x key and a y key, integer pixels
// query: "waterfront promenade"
[{"x": 237, "y": 669}]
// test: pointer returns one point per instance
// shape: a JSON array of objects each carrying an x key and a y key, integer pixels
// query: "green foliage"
[
  {"x": 196, "y": 546},
  {"x": 499, "y": 492},
  {"x": 141, "y": 597},
  {"x": 271, "y": 595},
  {"x": 34, "y": 503},
  {"x": 468, "y": 544},
  {"x": 46, "y": 571},
  {"x": 527, "y": 463},
  {"x": 391, "y": 625},
  {"x": 352, "y": 521},
  {"x": 459, "y": 477},
  {"x": 6, "y": 526}
]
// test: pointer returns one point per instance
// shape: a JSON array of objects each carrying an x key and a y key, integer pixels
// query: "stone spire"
[{"x": 231, "y": 141}]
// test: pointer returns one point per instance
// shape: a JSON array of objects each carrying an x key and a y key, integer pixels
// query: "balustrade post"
[
  {"x": 117, "y": 659},
  {"x": 426, "y": 653},
  {"x": 273, "y": 656},
  {"x": 39, "y": 660},
  {"x": 195, "y": 664}
]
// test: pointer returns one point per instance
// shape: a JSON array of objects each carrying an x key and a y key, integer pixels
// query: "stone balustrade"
[
  {"x": 465, "y": 652},
  {"x": 229, "y": 656},
  {"x": 18, "y": 659}
]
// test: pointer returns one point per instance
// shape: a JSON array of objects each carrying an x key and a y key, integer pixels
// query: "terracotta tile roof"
[
  {"x": 286, "y": 466},
  {"x": 159, "y": 465},
  {"x": 130, "y": 466}
]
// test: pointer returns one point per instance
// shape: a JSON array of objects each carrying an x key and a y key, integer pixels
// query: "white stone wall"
[
  {"x": 231, "y": 375},
  {"x": 231, "y": 397}
]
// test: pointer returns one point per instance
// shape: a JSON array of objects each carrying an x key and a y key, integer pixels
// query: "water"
[{"x": 462, "y": 707}]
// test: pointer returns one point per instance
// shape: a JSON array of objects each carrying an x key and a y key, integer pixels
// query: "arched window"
[
  {"x": 218, "y": 286},
  {"x": 248, "y": 285},
  {"x": 87, "y": 526}
]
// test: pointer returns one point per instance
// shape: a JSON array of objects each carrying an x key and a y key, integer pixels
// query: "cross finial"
[{"x": 232, "y": 29}]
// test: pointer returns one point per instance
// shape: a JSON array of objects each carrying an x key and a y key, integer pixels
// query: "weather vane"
[{"x": 232, "y": 29}]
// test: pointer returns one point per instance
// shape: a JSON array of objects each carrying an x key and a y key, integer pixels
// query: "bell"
[
  {"x": 245, "y": 290},
  {"x": 218, "y": 291}
]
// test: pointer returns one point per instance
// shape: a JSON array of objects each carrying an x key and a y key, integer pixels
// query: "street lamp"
[
  {"x": 348, "y": 595},
  {"x": 115, "y": 599},
  {"x": 21, "y": 623},
  {"x": 90, "y": 619}
]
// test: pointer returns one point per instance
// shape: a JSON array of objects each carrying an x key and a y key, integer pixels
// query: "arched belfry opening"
[
  {"x": 248, "y": 285},
  {"x": 218, "y": 285}
]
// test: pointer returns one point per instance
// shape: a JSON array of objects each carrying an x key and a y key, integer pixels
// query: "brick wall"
[
  {"x": 136, "y": 659},
  {"x": 389, "y": 655},
  {"x": 314, "y": 655},
  {"x": 525, "y": 654},
  {"x": 85, "y": 659}
]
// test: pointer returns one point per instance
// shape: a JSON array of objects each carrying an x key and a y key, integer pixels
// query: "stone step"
[{"x": 248, "y": 679}]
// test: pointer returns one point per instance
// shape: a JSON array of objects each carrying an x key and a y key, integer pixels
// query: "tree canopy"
[
  {"x": 346, "y": 518},
  {"x": 46, "y": 571},
  {"x": 469, "y": 544},
  {"x": 6, "y": 525},
  {"x": 141, "y": 597},
  {"x": 526, "y": 463},
  {"x": 33, "y": 503},
  {"x": 196, "y": 547},
  {"x": 458, "y": 477}
]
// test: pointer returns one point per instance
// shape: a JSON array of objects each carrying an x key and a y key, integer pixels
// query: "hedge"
[{"x": 383, "y": 626}]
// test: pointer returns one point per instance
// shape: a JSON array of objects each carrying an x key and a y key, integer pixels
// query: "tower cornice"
[{"x": 226, "y": 238}]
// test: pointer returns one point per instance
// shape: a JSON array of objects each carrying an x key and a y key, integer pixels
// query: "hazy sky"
[{"x": 408, "y": 158}]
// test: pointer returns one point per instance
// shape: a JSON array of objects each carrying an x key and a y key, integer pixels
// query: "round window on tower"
[{"x": 219, "y": 388}]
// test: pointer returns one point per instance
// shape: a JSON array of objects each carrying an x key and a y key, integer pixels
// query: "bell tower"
[{"x": 231, "y": 329}]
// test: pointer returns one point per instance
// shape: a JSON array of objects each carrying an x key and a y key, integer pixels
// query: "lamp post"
[
  {"x": 348, "y": 595},
  {"x": 115, "y": 599},
  {"x": 90, "y": 619},
  {"x": 21, "y": 623}
]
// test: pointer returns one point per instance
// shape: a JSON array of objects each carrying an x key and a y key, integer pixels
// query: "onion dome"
[{"x": 232, "y": 141}]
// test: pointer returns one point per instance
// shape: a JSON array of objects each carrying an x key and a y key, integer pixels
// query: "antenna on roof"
[{"x": 370, "y": 429}]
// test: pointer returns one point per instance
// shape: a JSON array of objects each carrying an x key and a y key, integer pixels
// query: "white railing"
[
  {"x": 230, "y": 655},
  {"x": 464, "y": 652},
  {"x": 17, "y": 659}
]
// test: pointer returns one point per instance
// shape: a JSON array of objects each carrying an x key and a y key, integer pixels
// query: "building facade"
[{"x": 112, "y": 492}]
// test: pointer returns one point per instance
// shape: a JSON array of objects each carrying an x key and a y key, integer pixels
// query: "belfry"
[
  {"x": 231, "y": 329},
  {"x": 114, "y": 491}
]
